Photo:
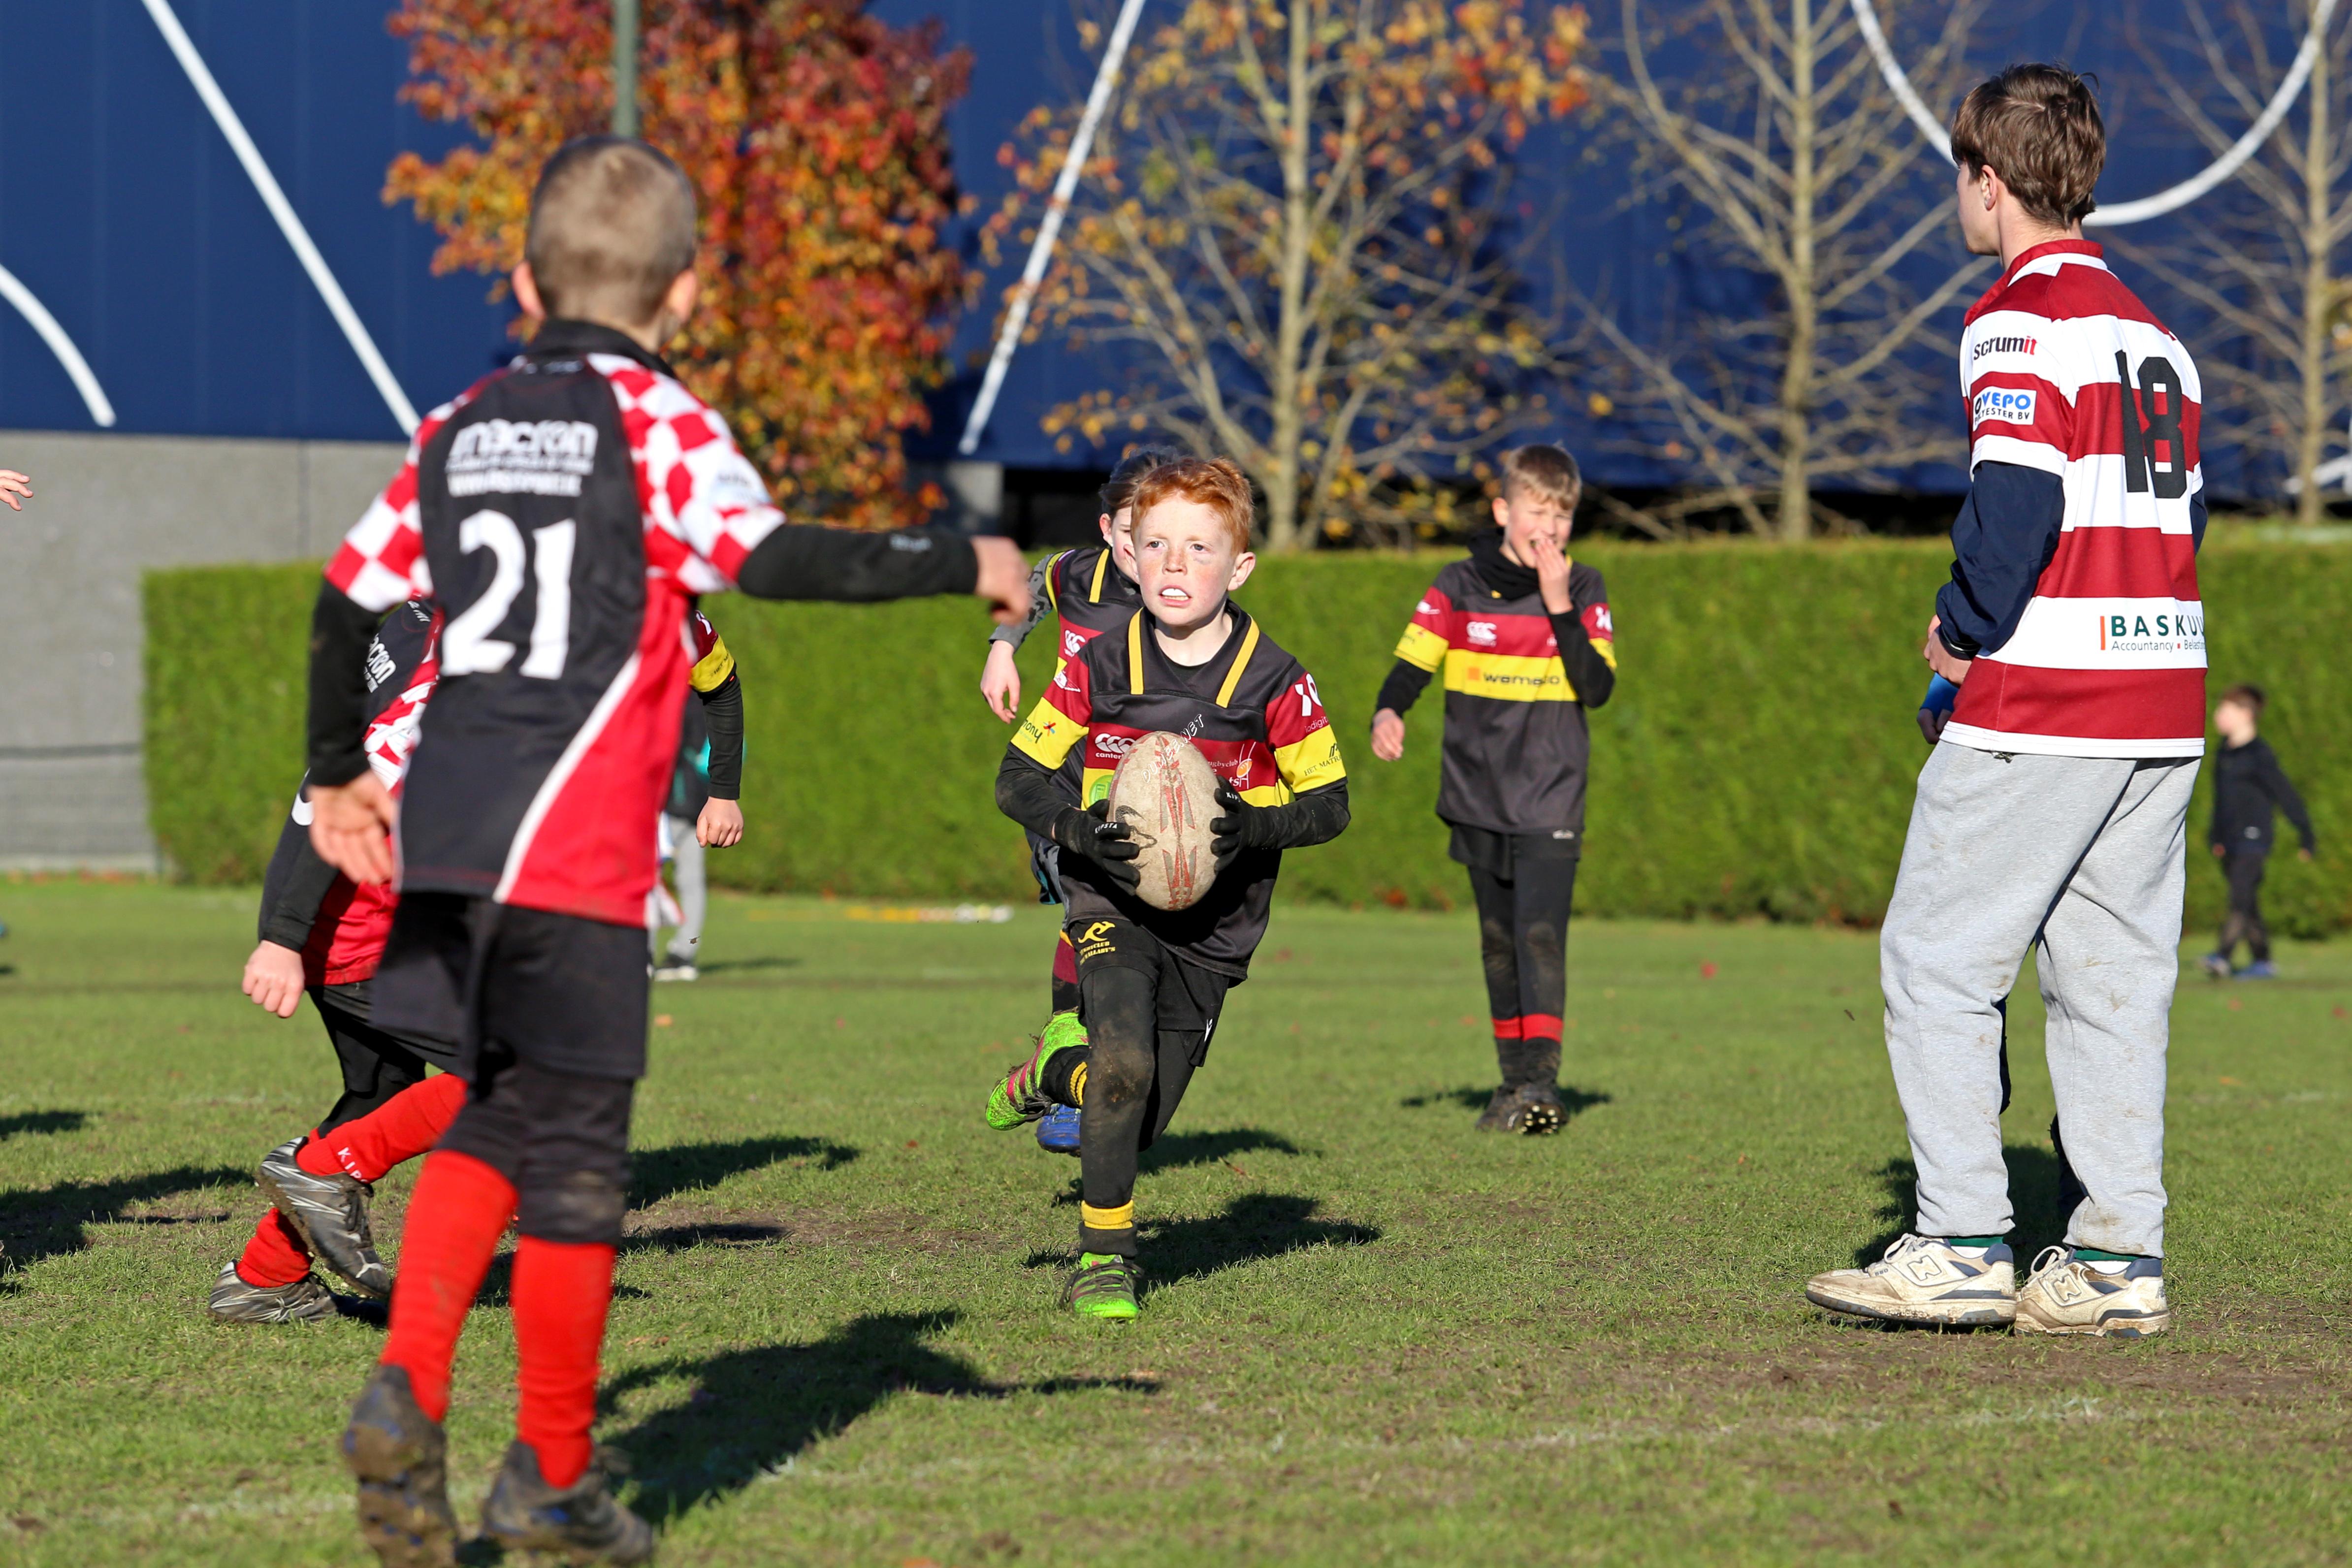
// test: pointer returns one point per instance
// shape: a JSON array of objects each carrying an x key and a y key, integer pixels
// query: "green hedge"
[{"x": 1758, "y": 760}]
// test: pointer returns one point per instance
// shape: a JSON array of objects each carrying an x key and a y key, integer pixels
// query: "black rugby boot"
[
  {"x": 583, "y": 1521},
  {"x": 304, "y": 1301},
  {"x": 402, "y": 1461},
  {"x": 331, "y": 1213}
]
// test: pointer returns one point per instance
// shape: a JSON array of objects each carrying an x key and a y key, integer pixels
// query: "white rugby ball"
[{"x": 1166, "y": 793}]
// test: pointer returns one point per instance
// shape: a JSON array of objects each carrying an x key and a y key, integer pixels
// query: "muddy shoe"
[
  {"x": 1540, "y": 1111},
  {"x": 1496, "y": 1118},
  {"x": 2117, "y": 1300},
  {"x": 306, "y": 1301},
  {"x": 1925, "y": 1280},
  {"x": 331, "y": 1213},
  {"x": 399, "y": 1457},
  {"x": 583, "y": 1521}
]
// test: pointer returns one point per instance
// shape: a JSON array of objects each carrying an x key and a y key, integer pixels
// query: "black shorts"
[
  {"x": 562, "y": 993},
  {"x": 1187, "y": 998},
  {"x": 1499, "y": 854},
  {"x": 350, "y": 1010}
]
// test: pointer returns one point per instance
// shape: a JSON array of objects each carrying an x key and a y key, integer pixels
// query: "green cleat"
[
  {"x": 1103, "y": 1287},
  {"x": 1016, "y": 1099}
]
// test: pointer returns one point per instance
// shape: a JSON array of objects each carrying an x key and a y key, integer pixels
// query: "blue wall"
[{"x": 124, "y": 210}]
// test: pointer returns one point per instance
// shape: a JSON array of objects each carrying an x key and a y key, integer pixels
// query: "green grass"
[{"x": 1372, "y": 1336}]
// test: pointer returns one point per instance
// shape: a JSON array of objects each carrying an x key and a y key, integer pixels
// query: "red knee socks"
[
  {"x": 562, "y": 1291},
  {"x": 394, "y": 1133},
  {"x": 458, "y": 1211},
  {"x": 275, "y": 1256}
]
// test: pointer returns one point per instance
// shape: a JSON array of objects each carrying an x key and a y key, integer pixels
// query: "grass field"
[{"x": 1372, "y": 1337}]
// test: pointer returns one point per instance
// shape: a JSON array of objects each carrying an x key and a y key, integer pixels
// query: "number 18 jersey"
[
  {"x": 2066, "y": 372},
  {"x": 562, "y": 513}
]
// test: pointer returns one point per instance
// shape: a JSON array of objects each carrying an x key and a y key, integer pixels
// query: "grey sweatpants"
[{"x": 2081, "y": 859}]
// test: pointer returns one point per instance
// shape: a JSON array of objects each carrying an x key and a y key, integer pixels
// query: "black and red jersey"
[
  {"x": 1254, "y": 713},
  {"x": 562, "y": 513},
  {"x": 1517, "y": 746},
  {"x": 1090, "y": 595},
  {"x": 341, "y": 931}
]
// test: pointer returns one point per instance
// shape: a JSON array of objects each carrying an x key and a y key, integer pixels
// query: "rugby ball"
[{"x": 1166, "y": 793}]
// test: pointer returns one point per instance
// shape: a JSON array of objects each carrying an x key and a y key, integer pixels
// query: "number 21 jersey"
[{"x": 562, "y": 513}]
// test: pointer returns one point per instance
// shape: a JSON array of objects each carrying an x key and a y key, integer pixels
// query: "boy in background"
[
  {"x": 1092, "y": 590},
  {"x": 2248, "y": 782},
  {"x": 706, "y": 790},
  {"x": 1152, "y": 982},
  {"x": 562, "y": 514},
  {"x": 322, "y": 933},
  {"x": 1524, "y": 636}
]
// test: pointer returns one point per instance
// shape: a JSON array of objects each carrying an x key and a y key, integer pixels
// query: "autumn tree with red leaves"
[{"x": 816, "y": 140}]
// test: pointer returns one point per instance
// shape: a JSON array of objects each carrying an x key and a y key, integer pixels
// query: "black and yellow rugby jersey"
[
  {"x": 1517, "y": 680},
  {"x": 1254, "y": 713}
]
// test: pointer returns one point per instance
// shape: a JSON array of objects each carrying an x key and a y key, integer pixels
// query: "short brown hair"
[
  {"x": 1213, "y": 482},
  {"x": 1118, "y": 490},
  {"x": 2247, "y": 696},
  {"x": 2038, "y": 128},
  {"x": 1544, "y": 471},
  {"x": 612, "y": 225}
]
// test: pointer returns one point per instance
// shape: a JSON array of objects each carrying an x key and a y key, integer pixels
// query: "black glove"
[
  {"x": 1092, "y": 835},
  {"x": 1242, "y": 827}
]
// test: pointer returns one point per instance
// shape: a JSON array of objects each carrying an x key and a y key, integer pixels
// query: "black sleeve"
[
  {"x": 1028, "y": 794},
  {"x": 1314, "y": 817},
  {"x": 292, "y": 890},
  {"x": 2006, "y": 533},
  {"x": 1588, "y": 671},
  {"x": 2196, "y": 519},
  {"x": 2274, "y": 780},
  {"x": 340, "y": 634},
  {"x": 722, "y": 710},
  {"x": 1041, "y": 604},
  {"x": 1402, "y": 688},
  {"x": 807, "y": 560}
]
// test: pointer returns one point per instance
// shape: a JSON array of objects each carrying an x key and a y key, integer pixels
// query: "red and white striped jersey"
[
  {"x": 562, "y": 513},
  {"x": 2066, "y": 372}
]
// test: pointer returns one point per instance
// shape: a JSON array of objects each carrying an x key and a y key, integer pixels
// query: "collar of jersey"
[
  {"x": 2025, "y": 258},
  {"x": 559, "y": 334},
  {"x": 1238, "y": 641}
]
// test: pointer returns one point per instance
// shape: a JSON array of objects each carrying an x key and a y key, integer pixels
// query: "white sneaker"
[
  {"x": 676, "y": 969},
  {"x": 2065, "y": 1296},
  {"x": 1922, "y": 1280}
]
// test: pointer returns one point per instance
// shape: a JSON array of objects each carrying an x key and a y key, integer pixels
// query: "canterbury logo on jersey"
[
  {"x": 1111, "y": 744},
  {"x": 1071, "y": 642},
  {"x": 2012, "y": 404},
  {"x": 1482, "y": 632},
  {"x": 533, "y": 458}
]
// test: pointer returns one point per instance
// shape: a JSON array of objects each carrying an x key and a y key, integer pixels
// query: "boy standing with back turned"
[
  {"x": 2052, "y": 813},
  {"x": 561, "y": 515},
  {"x": 1524, "y": 636}
]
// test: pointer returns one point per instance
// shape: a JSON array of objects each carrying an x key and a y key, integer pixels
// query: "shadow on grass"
[
  {"x": 37, "y": 1225},
  {"x": 755, "y": 1410},
  {"x": 1182, "y": 1149},
  {"x": 2040, "y": 1191},
  {"x": 658, "y": 1174},
  {"x": 1254, "y": 1226},
  {"x": 43, "y": 1122},
  {"x": 1576, "y": 1100},
  {"x": 746, "y": 965}
]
